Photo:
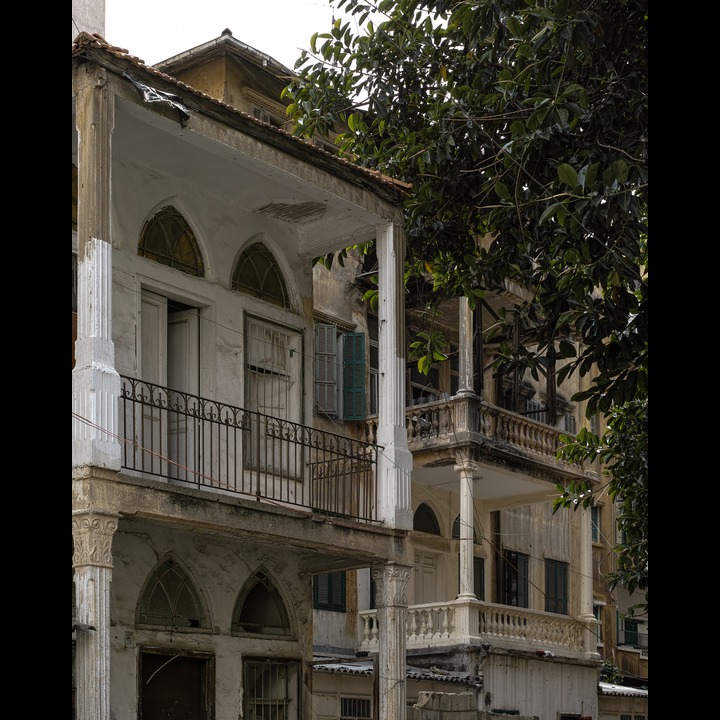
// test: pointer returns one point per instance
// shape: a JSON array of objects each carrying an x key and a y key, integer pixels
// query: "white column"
[
  {"x": 96, "y": 384},
  {"x": 586, "y": 616},
  {"x": 466, "y": 365},
  {"x": 391, "y": 582},
  {"x": 395, "y": 460},
  {"x": 92, "y": 562},
  {"x": 468, "y": 471}
]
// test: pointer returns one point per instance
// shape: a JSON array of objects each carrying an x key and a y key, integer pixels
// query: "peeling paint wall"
[{"x": 219, "y": 568}]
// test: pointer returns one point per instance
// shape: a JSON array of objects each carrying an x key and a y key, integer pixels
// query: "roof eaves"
[
  {"x": 226, "y": 40},
  {"x": 86, "y": 43}
]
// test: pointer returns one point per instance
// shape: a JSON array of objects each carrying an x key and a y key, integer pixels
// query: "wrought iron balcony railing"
[{"x": 204, "y": 443}]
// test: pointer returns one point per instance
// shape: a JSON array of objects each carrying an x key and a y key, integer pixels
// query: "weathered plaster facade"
[
  {"x": 228, "y": 176},
  {"x": 486, "y": 471}
]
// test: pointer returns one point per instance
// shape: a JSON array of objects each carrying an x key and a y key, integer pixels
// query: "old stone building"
[{"x": 274, "y": 513}]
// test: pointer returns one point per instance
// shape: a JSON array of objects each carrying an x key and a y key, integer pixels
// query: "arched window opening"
[
  {"x": 425, "y": 520},
  {"x": 167, "y": 239},
  {"x": 456, "y": 530},
  {"x": 258, "y": 274},
  {"x": 260, "y": 609},
  {"x": 170, "y": 599}
]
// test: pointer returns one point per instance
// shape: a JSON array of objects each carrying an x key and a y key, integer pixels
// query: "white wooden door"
[
  {"x": 426, "y": 578},
  {"x": 170, "y": 350},
  {"x": 183, "y": 346}
]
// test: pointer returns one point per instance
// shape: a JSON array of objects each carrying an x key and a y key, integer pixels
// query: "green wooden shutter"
[
  {"x": 329, "y": 591},
  {"x": 325, "y": 369},
  {"x": 354, "y": 377}
]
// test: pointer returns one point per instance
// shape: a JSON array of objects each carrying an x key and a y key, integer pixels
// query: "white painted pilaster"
[
  {"x": 395, "y": 460},
  {"x": 96, "y": 384}
]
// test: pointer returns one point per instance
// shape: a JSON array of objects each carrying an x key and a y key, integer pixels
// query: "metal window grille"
[
  {"x": 354, "y": 709},
  {"x": 271, "y": 690}
]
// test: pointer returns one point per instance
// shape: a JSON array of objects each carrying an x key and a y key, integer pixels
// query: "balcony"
[
  {"x": 467, "y": 420},
  {"x": 461, "y": 622},
  {"x": 631, "y": 656},
  {"x": 196, "y": 442},
  {"x": 633, "y": 639}
]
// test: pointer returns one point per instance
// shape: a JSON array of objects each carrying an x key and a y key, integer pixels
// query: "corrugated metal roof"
[
  {"x": 612, "y": 689},
  {"x": 413, "y": 673}
]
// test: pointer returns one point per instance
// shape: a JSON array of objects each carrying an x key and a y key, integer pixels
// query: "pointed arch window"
[
  {"x": 167, "y": 239},
  {"x": 260, "y": 609},
  {"x": 170, "y": 599},
  {"x": 258, "y": 274},
  {"x": 425, "y": 520}
]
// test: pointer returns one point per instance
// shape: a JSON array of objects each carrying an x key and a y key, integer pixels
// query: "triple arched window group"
[
  {"x": 171, "y": 599},
  {"x": 168, "y": 239}
]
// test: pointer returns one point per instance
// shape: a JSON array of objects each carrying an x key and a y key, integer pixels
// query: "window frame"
[
  {"x": 595, "y": 519},
  {"x": 373, "y": 365},
  {"x": 339, "y": 388},
  {"x": 291, "y": 680},
  {"x": 514, "y": 580},
  {"x": 597, "y": 612},
  {"x": 556, "y": 586},
  {"x": 357, "y": 703},
  {"x": 333, "y": 597},
  {"x": 631, "y": 632}
]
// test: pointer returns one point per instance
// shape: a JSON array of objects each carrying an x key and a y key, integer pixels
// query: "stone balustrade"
[
  {"x": 473, "y": 621},
  {"x": 434, "y": 424}
]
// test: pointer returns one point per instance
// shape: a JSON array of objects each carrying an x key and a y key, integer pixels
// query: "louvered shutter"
[
  {"x": 325, "y": 364},
  {"x": 329, "y": 592},
  {"x": 354, "y": 377}
]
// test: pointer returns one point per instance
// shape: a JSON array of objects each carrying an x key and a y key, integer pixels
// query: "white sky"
[{"x": 154, "y": 30}]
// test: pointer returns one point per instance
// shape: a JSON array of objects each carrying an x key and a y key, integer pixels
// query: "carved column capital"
[
  {"x": 466, "y": 466},
  {"x": 391, "y": 583},
  {"x": 92, "y": 539}
]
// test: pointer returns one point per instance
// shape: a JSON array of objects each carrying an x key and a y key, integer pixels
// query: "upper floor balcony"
[
  {"x": 436, "y": 429},
  {"x": 195, "y": 442},
  {"x": 461, "y": 622},
  {"x": 631, "y": 656}
]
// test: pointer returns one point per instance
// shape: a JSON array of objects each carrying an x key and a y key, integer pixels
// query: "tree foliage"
[
  {"x": 623, "y": 452},
  {"x": 522, "y": 127}
]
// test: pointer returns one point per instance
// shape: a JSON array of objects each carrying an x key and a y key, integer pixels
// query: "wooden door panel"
[{"x": 174, "y": 687}]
